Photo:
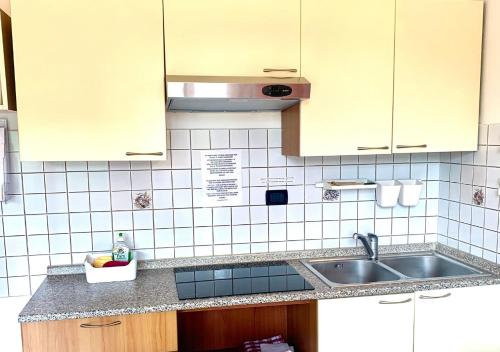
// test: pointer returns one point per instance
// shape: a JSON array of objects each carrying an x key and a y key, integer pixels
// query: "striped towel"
[
  {"x": 254, "y": 346},
  {"x": 275, "y": 347}
]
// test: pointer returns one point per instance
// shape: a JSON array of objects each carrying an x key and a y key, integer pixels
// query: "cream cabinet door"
[
  {"x": 437, "y": 75},
  {"x": 232, "y": 37},
  {"x": 347, "y": 55},
  {"x": 458, "y": 320},
  {"x": 375, "y": 323},
  {"x": 90, "y": 79}
]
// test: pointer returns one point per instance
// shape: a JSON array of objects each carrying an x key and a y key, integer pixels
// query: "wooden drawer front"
[{"x": 142, "y": 332}]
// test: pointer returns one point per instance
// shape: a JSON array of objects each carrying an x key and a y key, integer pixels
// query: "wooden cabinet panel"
[
  {"x": 347, "y": 54},
  {"x": 437, "y": 75},
  {"x": 90, "y": 79},
  {"x": 155, "y": 332},
  {"x": 7, "y": 86},
  {"x": 342, "y": 324},
  {"x": 459, "y": 320},
  {"x": 232, "y": 37},
  {"x": 226, "y": 328}
]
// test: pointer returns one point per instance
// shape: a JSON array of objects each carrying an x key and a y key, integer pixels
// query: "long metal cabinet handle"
[
  {"x": 435, "y": 297},
  {"x": 280, "y": 70},
  {"x": 136, "y": 153},
  {"x": 403, "y": 146},
  {"x": 395, "y": 302},
  {"x": 385, "y": 147},
  {"x": 93, "y": 326}
]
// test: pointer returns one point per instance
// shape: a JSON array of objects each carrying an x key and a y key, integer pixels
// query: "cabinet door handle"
[
  {"x": 136, "y": 153},
  {"x": 395, "y": 302},
  {"x": 280, "y": 70},
  {"x": 385, "y": 147},
  {"x": 435, "y": 297},
  {"x": 404, "y": 146},
  {"x": 94, "y": 326}
]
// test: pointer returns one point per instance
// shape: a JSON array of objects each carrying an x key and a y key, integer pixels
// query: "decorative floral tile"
[
  {"x": 331, "y": 195},
  {"x": 142, "y": 200},
  {"x": 478, "y": 196}
]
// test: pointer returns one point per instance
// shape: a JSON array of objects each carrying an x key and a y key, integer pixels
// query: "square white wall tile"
[
  {"x": 55, "y": 182},
  {"x": 14, "y": 225},
  {"x": 219, "y": 139},
  {"x": 35, "y": 204},
  {"x": 34, "y": 183},
  {"x": 200, "y": 139},
  {"x": 180, "y": 139},
  {"x": 77, "y": 181},
  {"x": 258, "y": 138},
  {"x": 36, "y": 224}
]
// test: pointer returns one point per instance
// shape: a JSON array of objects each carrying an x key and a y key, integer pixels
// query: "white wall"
[
  {"x": 10, "y": 331},
  {"x": 490, "y": 102}
]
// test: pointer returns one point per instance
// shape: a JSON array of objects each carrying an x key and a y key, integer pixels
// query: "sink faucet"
[{"x": 370, "y": 242}]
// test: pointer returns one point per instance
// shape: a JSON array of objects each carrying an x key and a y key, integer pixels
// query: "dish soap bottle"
[{"x": 121, "y": 251}]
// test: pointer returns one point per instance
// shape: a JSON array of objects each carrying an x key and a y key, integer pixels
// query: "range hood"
[{"x": 211, "y": 93}]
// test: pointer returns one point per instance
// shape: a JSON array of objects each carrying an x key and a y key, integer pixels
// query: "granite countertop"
[{"x": 65, "y": 293}]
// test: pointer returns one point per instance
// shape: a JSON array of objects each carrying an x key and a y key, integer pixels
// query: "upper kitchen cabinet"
[
  {"x": 437, "y": 75},
  {"x": 232, "y": 38},
  {"x": 90, "y": 79},
  {"x": 347, "y": 55},
  {"x": 7, "y": 86}
]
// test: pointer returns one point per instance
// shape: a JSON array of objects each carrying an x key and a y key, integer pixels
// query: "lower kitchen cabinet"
[
  {"x": 226, "y": 328},
  {"x": 375, "y": 323},
  {"x": 154, "y": 332},
  {"x": 455, "y": 320},
  {"x": 458, "y": 320}
]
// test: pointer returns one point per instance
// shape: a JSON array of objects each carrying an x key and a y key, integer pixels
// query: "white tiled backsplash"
[
  {"x": 57, "y": 211},
  {"x": 462, "y": 223}
]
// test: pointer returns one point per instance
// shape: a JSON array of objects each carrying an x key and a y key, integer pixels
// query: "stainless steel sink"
[
  {"x": 356, "y": 271},
  {"x": 428, "y": 266}
]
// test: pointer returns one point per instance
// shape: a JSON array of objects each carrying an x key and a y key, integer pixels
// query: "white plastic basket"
[
  {"x": 116, "y": 273},
  {"x": 410, "y": 192},
  {"x": 387, "y": 193}
]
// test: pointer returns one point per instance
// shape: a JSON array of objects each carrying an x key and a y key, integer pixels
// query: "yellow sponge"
[{"x": 100, "y": 261}]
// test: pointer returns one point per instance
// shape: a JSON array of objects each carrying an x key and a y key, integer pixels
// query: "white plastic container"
[
  {"x": 387, "y": 193},
  {"x": 116, "y": 273},
  {"x": 410, "y": 192}
]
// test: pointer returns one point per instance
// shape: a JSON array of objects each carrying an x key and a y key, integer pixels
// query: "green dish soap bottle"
[{"x": 121, "y": 251}]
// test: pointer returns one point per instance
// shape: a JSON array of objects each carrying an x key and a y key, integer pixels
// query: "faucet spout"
[{"x": 370, "y": 243}]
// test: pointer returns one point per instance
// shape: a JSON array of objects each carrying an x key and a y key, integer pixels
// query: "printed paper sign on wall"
[{"x": 221, "y": 177}]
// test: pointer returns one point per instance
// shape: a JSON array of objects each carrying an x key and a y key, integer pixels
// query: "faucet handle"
[
  {"x": 356, "y": 235},
  {"x": 373, "y": 238}
]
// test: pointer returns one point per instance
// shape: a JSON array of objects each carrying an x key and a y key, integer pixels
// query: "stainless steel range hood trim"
[{"x": 224, "y": 93}]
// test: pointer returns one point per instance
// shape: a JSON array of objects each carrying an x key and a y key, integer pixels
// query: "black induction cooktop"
[{"x": 238, "y": 279}]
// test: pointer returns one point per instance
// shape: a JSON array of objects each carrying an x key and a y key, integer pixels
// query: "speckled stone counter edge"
[{"x": 321, "y": 291}]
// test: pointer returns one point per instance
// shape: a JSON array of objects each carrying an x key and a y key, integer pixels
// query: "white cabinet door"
[
  {"x": 375, "y": 324},
  {"x": 437, "y": 75},
  {"x": 458, "y": 320}
]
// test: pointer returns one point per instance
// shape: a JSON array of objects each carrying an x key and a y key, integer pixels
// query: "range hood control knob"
[{"x": 277, "y": 90}]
